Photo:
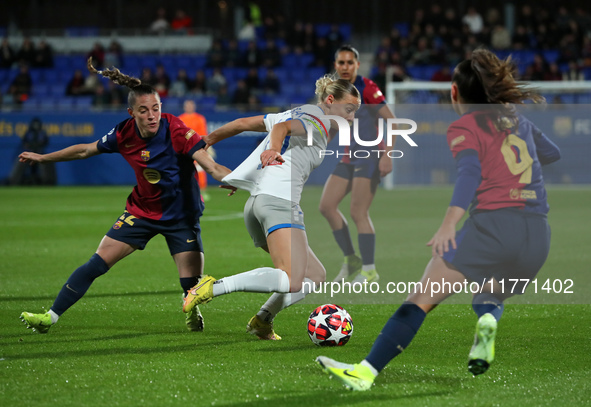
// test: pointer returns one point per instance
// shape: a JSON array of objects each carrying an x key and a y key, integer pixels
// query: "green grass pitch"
[{"x": 125, "y": 343}]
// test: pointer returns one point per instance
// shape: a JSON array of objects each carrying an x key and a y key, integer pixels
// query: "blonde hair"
[
  {"x": 137, "y": 88},
  {"x": 339, "y": 88}
]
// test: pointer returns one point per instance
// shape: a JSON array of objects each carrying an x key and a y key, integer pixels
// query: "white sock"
[
  {"x": 54, "y": 316},
  {"x": 278, "y": 302},
  {"x": 368, "y": 267},
  {"x": 371, "y": 368},
  {"x": 261, "y": 280}
]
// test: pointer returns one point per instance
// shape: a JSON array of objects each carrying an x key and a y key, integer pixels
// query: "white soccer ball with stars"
[{"x": 330, "y": 325}]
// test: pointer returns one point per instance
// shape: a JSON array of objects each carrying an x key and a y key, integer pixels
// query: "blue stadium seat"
[
  {"x": 84, "y": 102},
  {"x": 51, "y": 76},
  {"x": 207, "y": 102},
  {"x": 41, "y": 89},
  {"x": 61, "y": 62},
  {"x": 306, "y": 60},
  {"x": 315, "y": 73},
  {"x": 199, "y": 61},
  {"x": 346, "y": 30},
  {"x": 298, "y": 75},
  {"x": 36, "y": 75},
  {"x": 403, "y": 28},
  {"x": 551, "y": 55},
  {"x": 65, "y": 103},
  {"x": 322, "y": 30},
  {"x": 57, "y": 90}
]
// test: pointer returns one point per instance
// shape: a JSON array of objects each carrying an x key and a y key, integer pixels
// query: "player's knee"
[
  {"x": 326, "y": 209},
  {"x": 359, "y": 214}
]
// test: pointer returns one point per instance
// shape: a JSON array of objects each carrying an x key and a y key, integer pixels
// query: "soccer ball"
[{"x": 330, "y": 325}]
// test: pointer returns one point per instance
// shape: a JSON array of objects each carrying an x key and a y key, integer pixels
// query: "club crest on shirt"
[
  {"x": 117, "y": 224},
  {"x": 145, "y": 155}
]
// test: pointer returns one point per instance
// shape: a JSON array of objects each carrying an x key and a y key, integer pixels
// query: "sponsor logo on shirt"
[{"x": 152, "y": 175}]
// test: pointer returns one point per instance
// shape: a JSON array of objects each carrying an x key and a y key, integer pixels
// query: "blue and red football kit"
[
  {"x": 500, "y": 174},
  {"x": 167, "y": 188},
  {"x": 367, "y": 119},
  {"x": 166, "y": 199},
  {"x": 366, "y": 167}
]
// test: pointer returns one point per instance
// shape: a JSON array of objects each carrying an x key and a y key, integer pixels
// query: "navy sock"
[
  {"x": 487, "y": 303},
  {"x": 78, "y": 283},
  {"x": 343, "y": 239},
  {"x": 187, "y": 283},
  {"x": 396, "y": 335},
  {"x": 367, "y": 247}
]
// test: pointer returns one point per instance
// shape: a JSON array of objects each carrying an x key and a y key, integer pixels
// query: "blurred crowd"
[
  {"x": 244, "y": 69},
  {"x": 444, "y": 37}
]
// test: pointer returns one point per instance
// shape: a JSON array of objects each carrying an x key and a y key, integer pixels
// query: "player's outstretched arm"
[
  {"x": 235, "y": 127},
  {"x": 75, "y": 152},
  {"x": 214, "y": 169}
]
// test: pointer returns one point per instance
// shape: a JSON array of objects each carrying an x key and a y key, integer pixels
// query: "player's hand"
[
  {"x": 29, "y": 157},
  {"x": 440, "y": 242},
  {"x": 385, "y": 165},
  {"x": 230, "y": 188},
  {"x": 208, "y": 141},
  {"x": 270, "y": 156}
]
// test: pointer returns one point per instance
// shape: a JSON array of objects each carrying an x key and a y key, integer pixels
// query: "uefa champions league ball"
[{"x": 330, "y": 325}]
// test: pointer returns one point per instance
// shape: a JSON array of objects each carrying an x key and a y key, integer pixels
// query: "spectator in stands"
[
  {"x": 474, "y": 20},
  {"x": 384, "y": 51},
  {"x": 252, "y": 80},
  {"x": 309, "y": 37},
  {"x": 435, "y": 17},
  {"x": 44, "y": 55},
  {"x": 147, "y": 76},
  {"x": 553, "y": 73},
  {"x": 75, "y": 86},
  {"x": 334, "y": 37},
  {"x": 161, "y": 81},
  {"x": 252, "y": 56},
  {"x": 101, "y": 97},
  {"x": 323, "y": 55},
  {"x": 91, "y": 83},
  {"x": 241, "y": 93},
  {"x": 223, "y": 98},
  {"x": 569, "y": 50},
  {"x": 161, "y": 24},
  {"x": 21, "y": 85},
  {"x": 271, "y": 84},
  {"x": 271, "y": 56},
  {"x": 270, "y": 28},
  {"x": 443, "y": 74},
  {"x": 451, "y": 20},
  {"x": 181, "y": 85},
  {"x": 521, "y": 39},
  {"x": 114, "y": 54},
  {"x": 539, "y": 68},
  {"x": 98, "y": 55},
  {"x": 455, "y": 52},
  {"x": 254, "y": 104},
  {"x": 216, "y": 55},
  {"x": 233, "y": 55},
  {"x": 34, "y": 140},
  {"x": 500, "y": 38},
  {"x": 27, "y": 53},
  {"x": 181, "y": 23},
  {"x": 247, "y": 32},
  {"x": 542, "y": 38},
  {"x": 198, "y": 86},
  {"x": 216, "y": 81},
  {"x": 573, "y": 73},
  {"x": 422, "y": 53},
  {"x": 7, "y": 54}
]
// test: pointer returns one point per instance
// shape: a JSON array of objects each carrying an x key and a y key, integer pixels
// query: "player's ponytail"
[
  {"x": 339, "y": 88},
  {"x": 137, "y": 88},
  {"x": 485, "y": 79}
]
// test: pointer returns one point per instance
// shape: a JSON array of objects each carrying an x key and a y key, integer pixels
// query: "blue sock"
[
  {"x": 343, "y": 239},
  {"x": 487, "y": 303},
  {"x": 367, "y": 247},
  {"x": 187, "y": 283},
  {"x": 78, "y": 283},
  {"x": 396, "y": 335}
]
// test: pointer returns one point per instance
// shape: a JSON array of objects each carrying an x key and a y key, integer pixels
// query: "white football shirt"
[{"x": 285, "y": 180}]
